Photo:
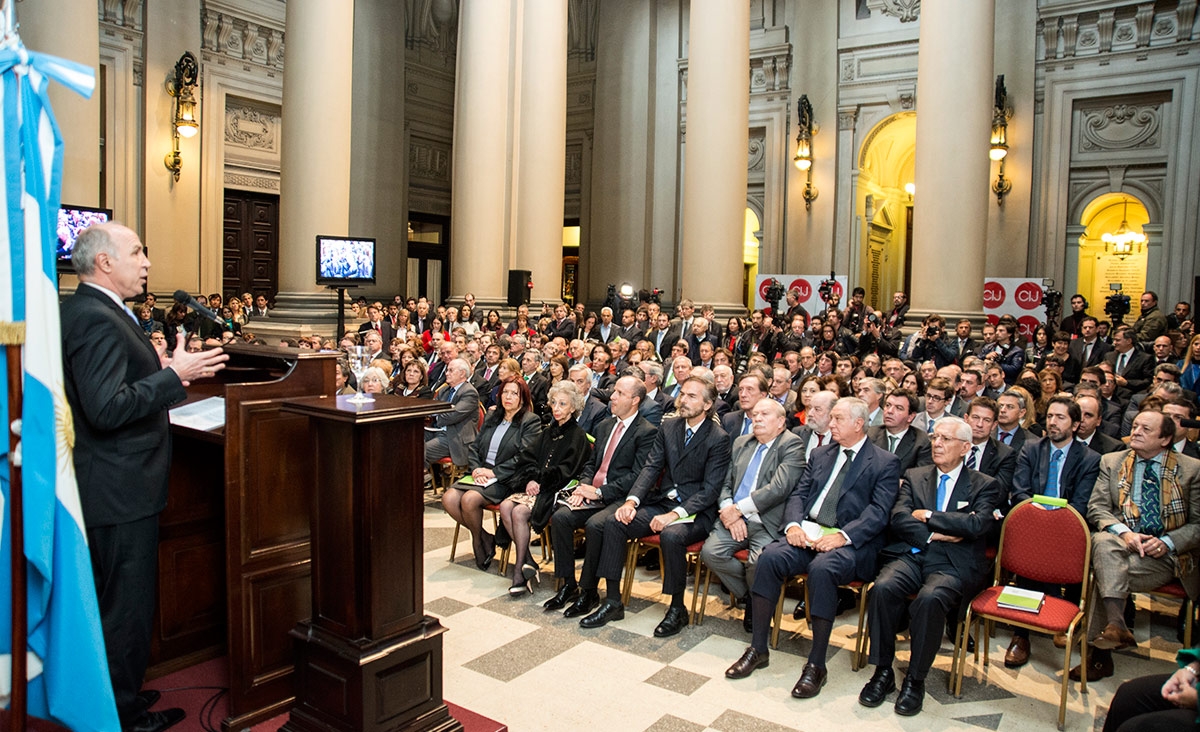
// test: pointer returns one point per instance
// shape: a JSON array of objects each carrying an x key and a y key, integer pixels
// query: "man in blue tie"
[
  {"x": 1058, "y": 466},
  {"x": 942, "y": 518},
  {"x": 764, "y": 466},
  {"x": 751, "y": 388}
]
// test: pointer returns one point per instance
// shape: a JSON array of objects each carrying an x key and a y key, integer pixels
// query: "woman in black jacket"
[
  {"x": 556, "y": 458},
  {"x": 508, "y": 432}
]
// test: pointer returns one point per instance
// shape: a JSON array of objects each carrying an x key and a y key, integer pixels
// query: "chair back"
[
  {"x": 482, "y": 414},
  {"x": 1052, "y": 546}
]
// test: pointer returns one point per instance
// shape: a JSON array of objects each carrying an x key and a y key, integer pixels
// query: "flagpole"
[{"x": 12, "y": 335}]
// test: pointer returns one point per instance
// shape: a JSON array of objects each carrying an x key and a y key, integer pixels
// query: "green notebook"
[{"x": 1016, "y": 598}]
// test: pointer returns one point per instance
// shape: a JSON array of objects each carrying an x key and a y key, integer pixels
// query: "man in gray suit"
[
  {"x": 452, "y": 433},
  {"x": 762, "y": 470}
]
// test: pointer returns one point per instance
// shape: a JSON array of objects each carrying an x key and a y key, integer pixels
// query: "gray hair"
[
  {"x": 460, "y": 364},
  {"x": 960, "y": 429},
  {"x": 857, "y": 408},
  {"x": 652, "y": 369},
  {"x": 876, "y": 385},
  {"x": 374, "y": 373},
  {"x": 1015, "y": 394},
  {"x": 829, "y": 398},
  {"x": 568, "y": 388},
  {"x": 91, "y": 242},
  {"x": 580, "y": 367}
]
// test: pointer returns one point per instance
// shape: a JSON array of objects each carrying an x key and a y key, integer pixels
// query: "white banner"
[
  {"x": 1020, "y": 297},
  {"x": 809, "y": 286}
]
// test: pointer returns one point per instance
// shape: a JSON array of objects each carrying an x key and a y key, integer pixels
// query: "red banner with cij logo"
[{"x": 1019, "y": 297}]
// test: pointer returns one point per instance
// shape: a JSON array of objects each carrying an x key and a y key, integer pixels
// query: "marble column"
[
  {"x": 68, "y": 29},
  {"x": 714, "y": 178},
  {"x": 314, "y": 193},
  {"x": 479, "y": 219},
  {"x": 954, "y": 116},
  {"x": 540, "y": 158}
]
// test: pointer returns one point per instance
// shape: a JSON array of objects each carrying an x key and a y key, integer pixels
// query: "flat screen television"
[
  {"x": 72, "y": 220},
  {"x": 344, "y": 261}
]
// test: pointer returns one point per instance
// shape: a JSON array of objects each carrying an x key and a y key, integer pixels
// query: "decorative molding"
[
  {"x": 431, "y": 25},
  {"x": 847, "y": 73},
  {"x": 757, "y": 150},
  {"x": 907, "y": 11},
  {"x": 246, "y": 33},
  {"x": 126, "y": 14},
  {"x": 429, "y": 159},
  {"x": 573, "y": 173},
  {"x": 581, "y": 29},
  {"x": 847, "y": 117},
  {"x": 250, "y": 127},
  {"x": 1120, "y": 126},
  {"x": 251, "y": 181}
]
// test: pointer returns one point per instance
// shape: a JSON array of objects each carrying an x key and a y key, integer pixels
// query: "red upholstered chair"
[
  {"x": 637, "y": 546},
  {"x": 743, "y": 556},
  {"x": 1174, "y": 589},
  {"x": 1024, "y": 551},
  {"x": 858, "y": 657}
]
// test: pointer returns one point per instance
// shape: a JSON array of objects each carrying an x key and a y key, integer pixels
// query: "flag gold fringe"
[{"x": 12, "y": 334}]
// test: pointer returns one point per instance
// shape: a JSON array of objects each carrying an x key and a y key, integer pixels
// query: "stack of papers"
[
  {"x": 1015, "y": 598},
  {"x": 468, "y": 480}
]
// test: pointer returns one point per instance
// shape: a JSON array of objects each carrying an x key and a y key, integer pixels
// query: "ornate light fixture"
[
  {"x": 184, "y": 123},
  {"x": 1123, "y": 239},
  {"x": 998, "y": 151},
  {"x": 804, "y": 158}
]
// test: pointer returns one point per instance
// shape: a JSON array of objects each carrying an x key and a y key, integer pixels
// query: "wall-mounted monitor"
[
  {"x": 344, "y": 261},
  {"x": 72, "y": 220}
]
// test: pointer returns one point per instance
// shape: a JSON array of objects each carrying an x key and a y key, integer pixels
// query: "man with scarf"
[{"x": 1146, "y": 511}]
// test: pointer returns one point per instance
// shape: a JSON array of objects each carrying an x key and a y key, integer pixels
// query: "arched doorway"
[
  {"x": 884, "y": 200},
  {"x": 1099, "y": 267},
  {"x": 751, "y": 244}
]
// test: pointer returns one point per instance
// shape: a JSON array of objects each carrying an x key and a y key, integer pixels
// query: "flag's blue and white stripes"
[{"x": 71, "y": 685}]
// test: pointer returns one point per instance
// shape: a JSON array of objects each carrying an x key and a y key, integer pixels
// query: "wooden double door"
[{"x": 250, "y": 257}]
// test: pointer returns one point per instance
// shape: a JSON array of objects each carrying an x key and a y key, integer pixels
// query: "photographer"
[
  {"x": 930, "y": 343},
  {"x": 873, "y": 340},
  {"x": 1005, "y": 352}
]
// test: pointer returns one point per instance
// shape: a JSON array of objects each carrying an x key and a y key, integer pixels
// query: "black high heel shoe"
[
  {"x": 532, "y": 574},
  {"x": 520, "y": 588},
  {"x": 489, "y": 553}
]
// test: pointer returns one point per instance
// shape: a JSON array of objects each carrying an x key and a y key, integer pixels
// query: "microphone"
[
  {"x": 1189, "y": 423},
  {"x": 183, "y": 298}
]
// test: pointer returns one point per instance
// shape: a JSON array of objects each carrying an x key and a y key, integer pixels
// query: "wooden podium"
[
  {"x": 369, "y": 658},
  {"x": 234, "y": 538}
]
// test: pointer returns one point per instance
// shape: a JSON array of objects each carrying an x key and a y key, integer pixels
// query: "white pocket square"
[{"x": 963, "y": 504}]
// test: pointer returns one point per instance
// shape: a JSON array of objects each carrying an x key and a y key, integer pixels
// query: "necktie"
[
  {"x": 973, "y": 457},
  {"x": 827, "y": 516},
  {"x": 1087, "y": 353},
  {"x": 687, "y": 435},
  {"x": 746, "y": 425},
  {"x": 1121, "y": 363},
  {"x": 892, "y": 442},
  {"x": 1052, "y": 474},
  {"x": 929, "y": 421},
  {"x": 1150, "y": 507},
  {"x": 487, "y": 373},
  {"x": 942, "y": 492},
  {"x": 820, "y": 440},
  {"x": 609, "y": 449},
  {"x": 1006, "y": 438},
  {"x": 751, "y": 476}
]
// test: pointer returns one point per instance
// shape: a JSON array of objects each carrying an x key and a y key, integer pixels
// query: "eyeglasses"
[
  {"x": 935, "y": 437},
  {"x": 931, "y": 397}
]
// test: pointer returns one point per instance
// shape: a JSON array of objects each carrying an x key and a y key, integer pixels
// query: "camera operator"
[
  {"x": 1072, "y": 323},
  {"x": 930, "y": 342},
  {"x": 794, "y": 308},
  {"x": 872, "y": 338},
  {"x": 1005, "y": 351},
  {"x": 856, "y": 311},
  {"x": 1151, "y": 322}
]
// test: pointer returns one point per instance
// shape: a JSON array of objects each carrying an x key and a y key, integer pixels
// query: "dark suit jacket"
[
  {"x": 517, "y": 443},
  {"x": 1099, "y": 350},
  {"x": 119, "y": 394},
  {"x": 913, "y": 451},
  {"x": 388, "y": 331},
  {"x": 779, "y": 470},
  {"x": 1000, "y": 462},
  {"x": 627, "y": 460},
  {"x": 732, "y": 422},
  {"x": 694, "y": 471},
  {"x": 671, "y": 338},
  {"x": 1019, "y": 438},
  {"x": 1139, "y": 369},
  {"x": 971, "y": 347},
  {"x": 460, "y": 422},
  {"x": 564, "y": 329},
  {"x": 1104, "y": 444},
  {"x": 968, "y": 514},
  {"x": 1077, "y": 474},
  {"x": 651, "y": 411},
  {"x": 596, "y": 335},
  {"x": 593, "y": 412},
  {"x": 694, "y": 345},
  {"x": 632, "y": 333},
  {"x": 865, "y": 505}
]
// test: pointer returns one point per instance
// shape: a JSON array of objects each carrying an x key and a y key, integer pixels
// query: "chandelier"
[{"x": 1123, "y": 239}]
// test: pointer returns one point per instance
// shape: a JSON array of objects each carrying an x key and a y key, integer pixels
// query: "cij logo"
[
  {"x": 993, "y": 294},
  {"x": 1028, "y": 296}
]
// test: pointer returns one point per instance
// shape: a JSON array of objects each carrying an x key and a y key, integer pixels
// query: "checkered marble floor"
[{"x": 509, "y": 660}]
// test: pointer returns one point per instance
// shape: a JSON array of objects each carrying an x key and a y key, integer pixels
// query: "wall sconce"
[
  {"x": 910, "y": 189},
  {"x": 1123, "y": 239},
  {"x": 184, "y": 123},
  {"x": 998, "y": 151},
  {"x": 804, "y": 159}
]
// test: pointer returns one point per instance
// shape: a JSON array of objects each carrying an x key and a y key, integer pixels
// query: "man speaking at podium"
[{"x": 119, "y": 394}]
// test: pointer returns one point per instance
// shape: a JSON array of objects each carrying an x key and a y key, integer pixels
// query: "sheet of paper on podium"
[{"x": 205, "y": 415}]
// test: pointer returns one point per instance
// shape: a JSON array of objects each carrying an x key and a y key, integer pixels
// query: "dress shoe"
[
  {"x": 847, "y": 600},
  {"x": 608, "y": 611},
  {"x": 675, "y": 620},
  {"x": 800, "y": 612},
  {"x": 565, "y": 594},
  {"x": 911, "y": 698},
  {"x": 749, "y": 661},
  {"x": 531, "y": 573},
  {"x": 1114, "y": 638},
  {"x": 521, "y": 587},
  {"x": 1017, "y": 654},
  {"x": 1060, "y": 639},
  {"x": 748, "y": 620},
  {"x": 584, "y": 604},
  {"x": 156, "y": 721},
  {"x": 1100, "y": 666},
  {"x": 146, "y": 698},
  {"x": 812, "y": 678},
  {"x": 882, "y": 683}
]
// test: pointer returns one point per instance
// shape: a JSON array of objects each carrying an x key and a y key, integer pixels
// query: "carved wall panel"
[
  {"x": 252, "y": 34},
  {"x": 906, "y": 11},
  {"x": 1122, "y": 125}
]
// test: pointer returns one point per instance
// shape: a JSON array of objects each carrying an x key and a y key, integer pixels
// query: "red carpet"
[{"x": 195, "y": 690}]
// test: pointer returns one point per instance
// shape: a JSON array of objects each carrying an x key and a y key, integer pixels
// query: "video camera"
[
  {"x": 825, "y": 289},
  {"x": 773, "y": 295},
  {"x": 1052, "y": 301},
  {"x": 654, "y": 296},
  {"x": 1116, "y": 305}
]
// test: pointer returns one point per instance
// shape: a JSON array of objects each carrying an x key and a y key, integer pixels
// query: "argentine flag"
[{"x": 68, "y": 673}]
